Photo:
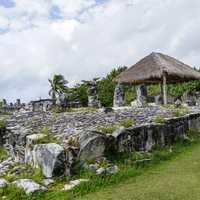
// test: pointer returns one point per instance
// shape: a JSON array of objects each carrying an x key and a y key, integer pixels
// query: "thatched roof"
[{"x": 151, "y": 69}]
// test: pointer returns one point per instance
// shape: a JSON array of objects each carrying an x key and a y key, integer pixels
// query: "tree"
[
  {"x": 106, "y": 87},
  {"x": 58, "y": 86}
]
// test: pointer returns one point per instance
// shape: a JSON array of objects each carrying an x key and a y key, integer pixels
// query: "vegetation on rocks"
[
  {"x": 3, "y": 124},
  {"x": 3, "y": 154},
  {"x": 110, "y": 128},
  {"x": 129, "y": 170}
]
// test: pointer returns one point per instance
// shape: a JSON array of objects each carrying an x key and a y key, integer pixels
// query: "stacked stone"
[
  {"x": 93, "y": 99},
  {"x": 118, "y": 96}
]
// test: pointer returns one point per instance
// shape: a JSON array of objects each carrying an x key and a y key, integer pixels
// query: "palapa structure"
[{"x": 158, "y": 68}]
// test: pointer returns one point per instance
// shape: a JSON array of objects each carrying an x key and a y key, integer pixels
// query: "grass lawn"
[{"x": 176, "y": 179}]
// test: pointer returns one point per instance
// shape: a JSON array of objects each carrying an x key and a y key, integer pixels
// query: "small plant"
[
  {"x": 73, "y": 141},
  {"x": 159, "y": 120},
  {"x": 108, "y": 129},
  {"x": 3, "y": 154},
  {"x": 179, "y": 112},
  {"x": 49, "y": 138},
  {"x": 127, "y": 123},
  {"x": 3, "y": 124}
]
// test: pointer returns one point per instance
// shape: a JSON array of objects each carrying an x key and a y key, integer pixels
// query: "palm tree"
[{"x": 58, "y": 86}]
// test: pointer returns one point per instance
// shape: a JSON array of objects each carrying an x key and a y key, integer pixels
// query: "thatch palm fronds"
[{"x": 152, "y": 68}]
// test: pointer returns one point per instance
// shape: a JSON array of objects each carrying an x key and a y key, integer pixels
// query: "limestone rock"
[
  {"x": 31, "y": 140},
  {"x": 28, "y": 185},
  {"x": 74, "y": 183},
  {"x": 100, "y": 171},
  {"x": 51, "y": 158},
  {"x": 3, "y": 182},
  {"x": 118, "y": 96},
  {"x": 47, "y": 182},
  {"x": 112, "y": 169},
  {"x": 92, "y": 145}
]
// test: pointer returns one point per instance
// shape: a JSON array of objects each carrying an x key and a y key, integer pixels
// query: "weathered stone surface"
[
  {"x": 5, "y": 166},
  {"x": 28, "y": 185},
  {"x": 47, "y": 182},
  {"x": 51, "y": 158},
  {"x": 31, "y": 140},
  {"x": 3, "y": 182},
  {"x": 112, "y": 169},
  {"x": 141, "y": 95},
  {"x": 118, "y": 99},
  {"x": 92, "y": 145},
  {"x": 74, "y": 183},
  {"x": 100, "y": 171},
  {"x": 93, "y": 99}
]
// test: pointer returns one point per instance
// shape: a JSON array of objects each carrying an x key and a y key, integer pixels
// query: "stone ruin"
[
  {"x": 118, "y": 100},
  {"x": 41, "y": 105},
  {"x": 11, "y": 107},
  {"x": 93, "y": 99}
]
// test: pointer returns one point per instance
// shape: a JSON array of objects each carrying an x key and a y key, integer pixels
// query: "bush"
[
  {"x": 159, "y": 120},
  {"x": 3, "y": 124}
]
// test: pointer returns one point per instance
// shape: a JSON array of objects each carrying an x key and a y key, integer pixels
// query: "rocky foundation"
[{"x": 86, "y": 144}]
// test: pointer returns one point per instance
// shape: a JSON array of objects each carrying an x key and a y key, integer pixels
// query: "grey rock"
[
  {"x": 100, "y": 171},
  {"x": 118, "y": 99},
  {"x": 47, "y": 182},
  {"x": 51, "y": 158},
  {"x": 28, "y": 185},
  {"x": 92, "y": 145},
  {"x": 3, "y": 182},
  {"x": 141, "y": 95},
  {"x": 112, "y": 169},
  {"x": 74, "y": 183}
]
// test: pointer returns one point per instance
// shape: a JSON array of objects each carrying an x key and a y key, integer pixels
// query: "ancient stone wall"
[{"x": 144, "y": 137}]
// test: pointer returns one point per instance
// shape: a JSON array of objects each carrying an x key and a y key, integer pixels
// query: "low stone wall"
[{"x": 144, "y": 137}]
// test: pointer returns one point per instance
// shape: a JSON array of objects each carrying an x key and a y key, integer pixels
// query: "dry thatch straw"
[{"x": 152, "y": 68}]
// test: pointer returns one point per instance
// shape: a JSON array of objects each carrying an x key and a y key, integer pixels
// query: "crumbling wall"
[{"x": 144, "y": 137}]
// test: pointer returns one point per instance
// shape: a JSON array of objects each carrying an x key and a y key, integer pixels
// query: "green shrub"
[
  {"x": 49, "y": 137},
  {"x": 108, "y": 129},
  {"x": 127, "y": 123},
  {"x": 159, "y": 120},
  {"x": 3, "y": 124},
  {"x": 3, "y": 154},
  {"x": 179, "y": 112}
]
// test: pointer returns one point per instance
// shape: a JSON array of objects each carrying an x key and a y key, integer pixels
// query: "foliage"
[
  {"x": 127, "y": 123},
  {"x": 58, "y": 86},
  {"x": 179, "y": 112},
  {"x": 49, "y": 137},
  {"x": 3, "y": 124},
  {"x": 108, "y": 129},
  {"x": 106, "y": 87},
  {"x": 159, "y": 120},
  {"x": 3, "y": 154},
  {"x": 78, "y": 94}
]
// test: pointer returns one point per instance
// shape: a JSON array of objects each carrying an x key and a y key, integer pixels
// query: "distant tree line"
[{"x": 106, "y": 87}]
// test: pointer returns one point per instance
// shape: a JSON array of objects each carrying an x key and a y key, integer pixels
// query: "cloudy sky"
[{"x": 82, "y": 39}]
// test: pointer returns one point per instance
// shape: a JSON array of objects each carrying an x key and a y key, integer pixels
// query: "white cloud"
[{"x": 81, "y": 46}]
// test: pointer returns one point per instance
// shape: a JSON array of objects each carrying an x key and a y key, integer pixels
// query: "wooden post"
[{"x": 164, "y": 84}]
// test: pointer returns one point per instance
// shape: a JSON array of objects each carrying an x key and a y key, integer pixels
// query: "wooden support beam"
[{"x": 164, "y": 84}]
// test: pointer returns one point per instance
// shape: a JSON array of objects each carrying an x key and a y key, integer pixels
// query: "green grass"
[
  {"x": 110, "y": 128},
  {"x": 48, "y": 138},
  {"x": 3, "y": 154},
  {"x": 159, "y": 120},
  {"x": 170, "y": 176},
  {"x": 3, "y": 124}
]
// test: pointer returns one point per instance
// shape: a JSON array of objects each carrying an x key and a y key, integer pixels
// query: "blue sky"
[
  {"x": 7, "y": 3},
  {"x": 82, "y": 39}
]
